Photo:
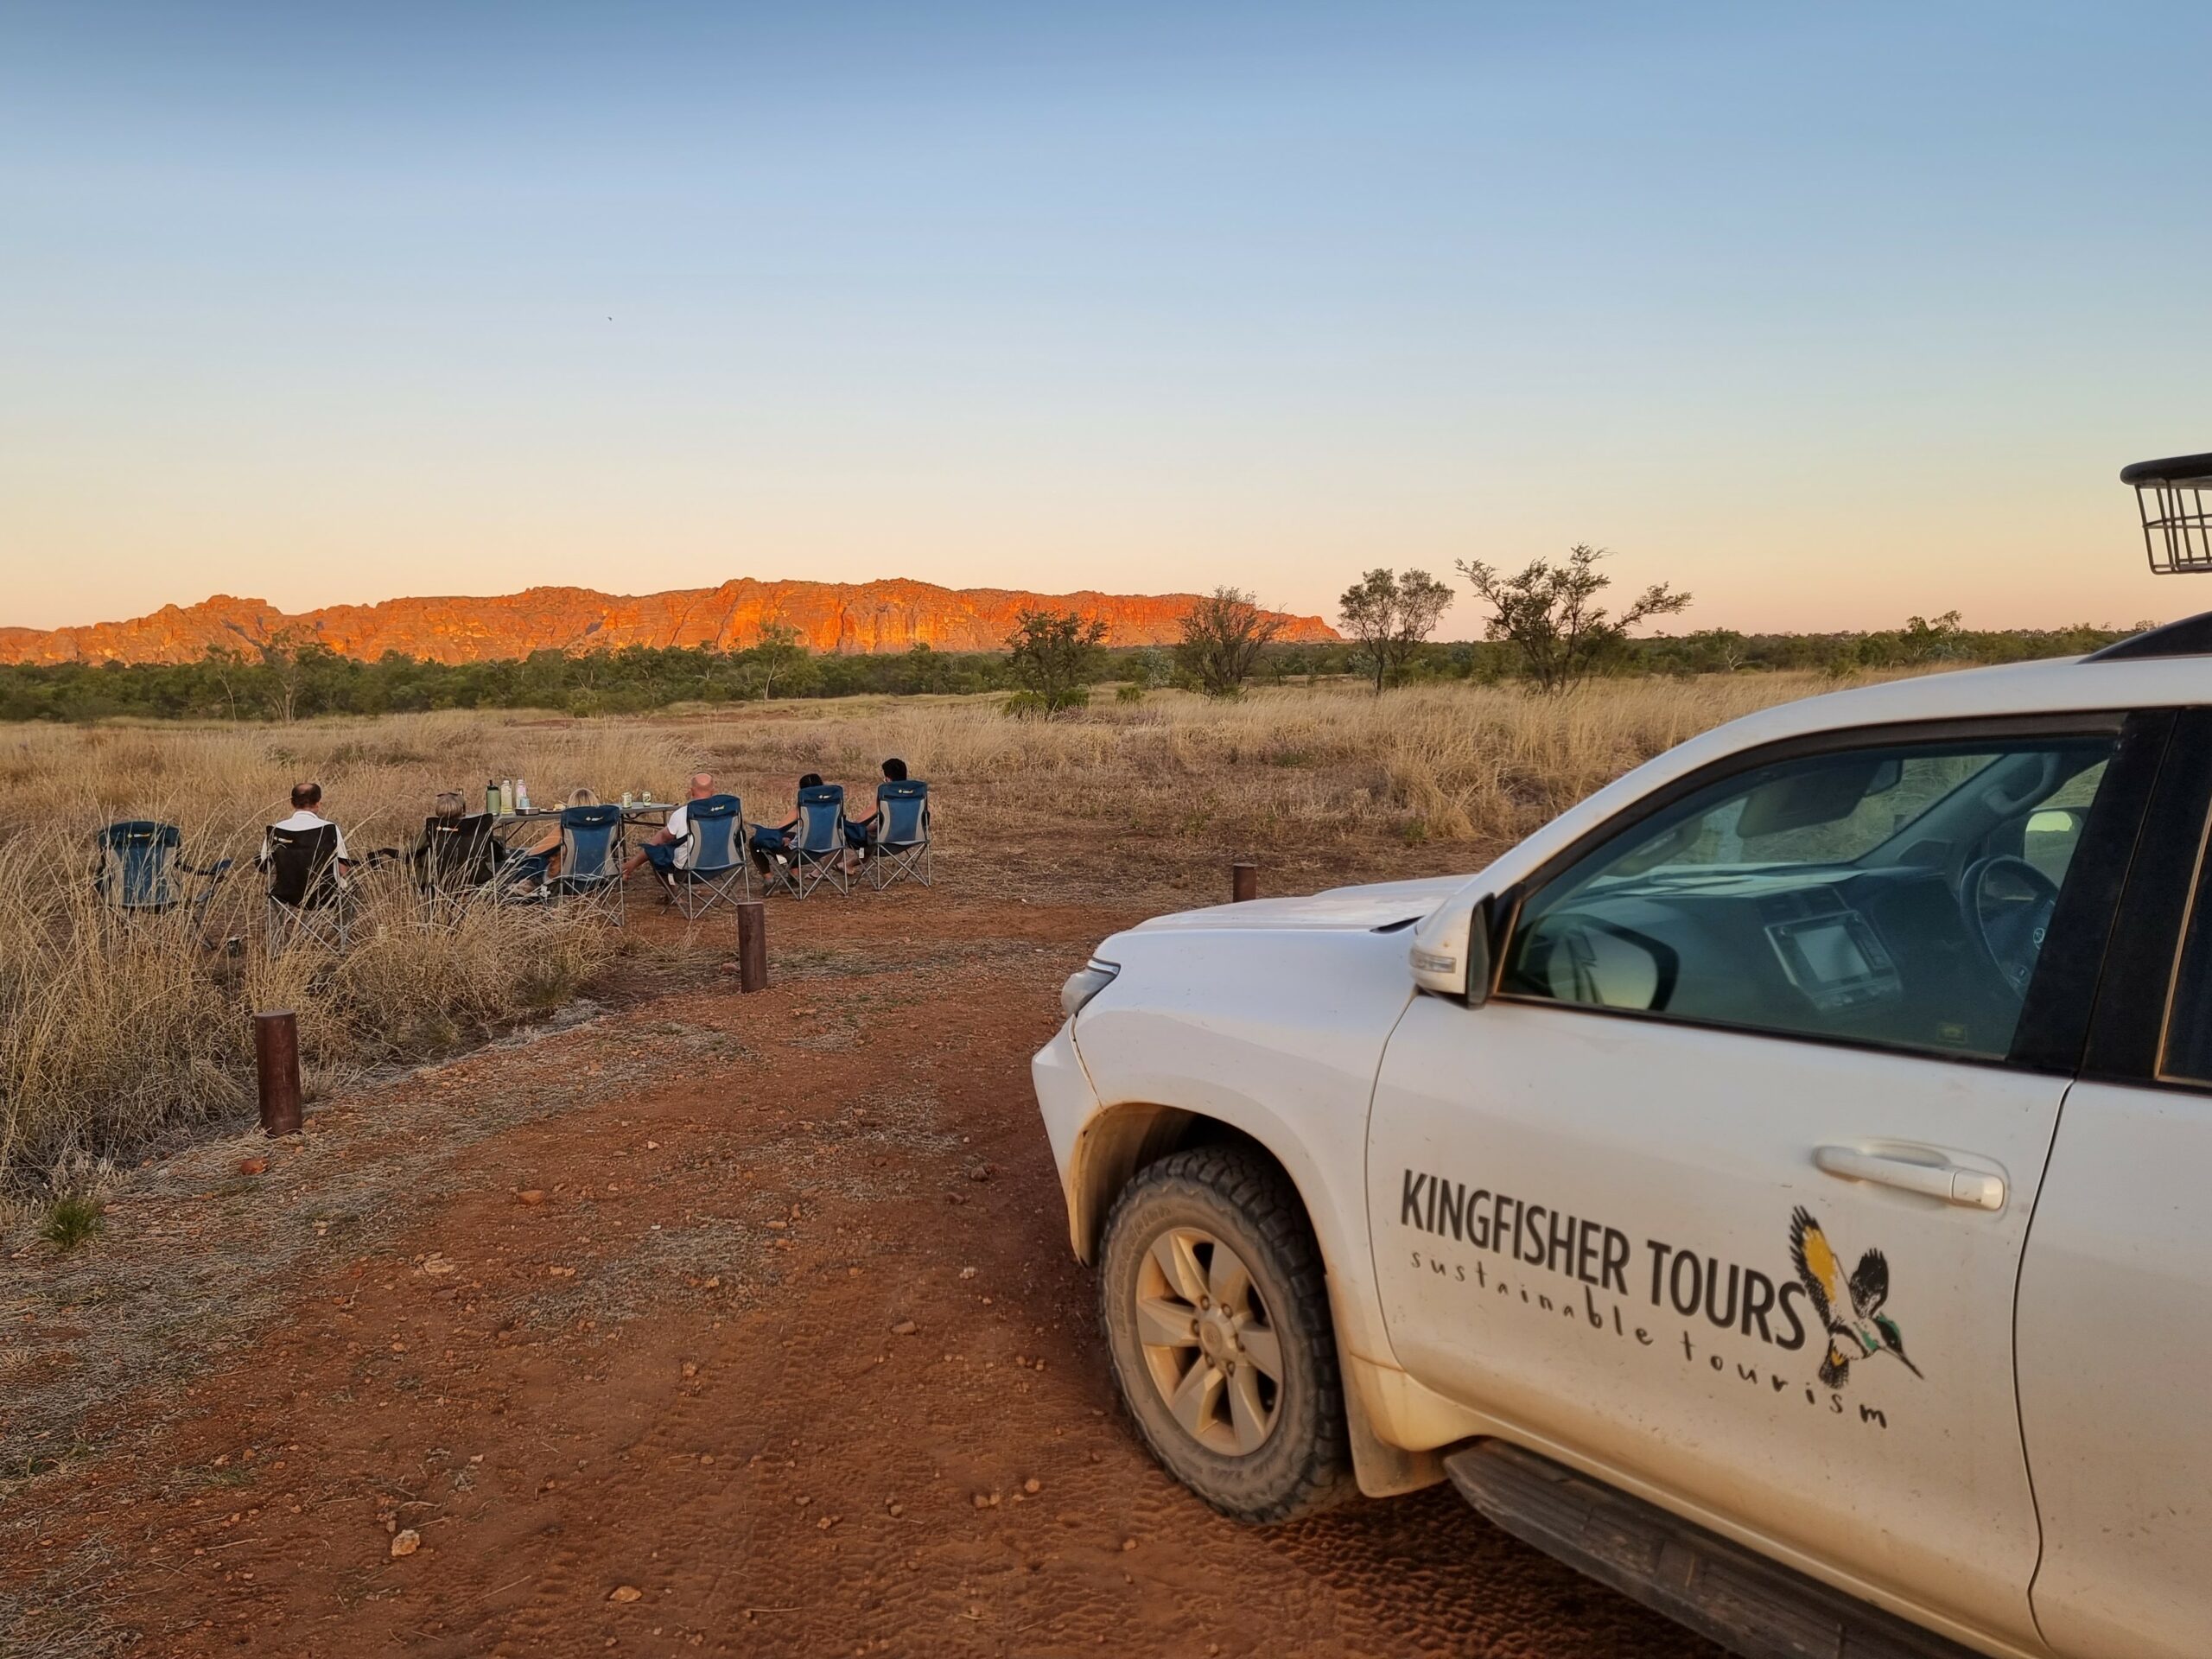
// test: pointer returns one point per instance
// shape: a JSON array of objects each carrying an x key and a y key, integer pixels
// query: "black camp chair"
[
  {"x": 140, "y": 870},
  {"x": 457, "y": 862},
  {"x": 305, "y": 897}
]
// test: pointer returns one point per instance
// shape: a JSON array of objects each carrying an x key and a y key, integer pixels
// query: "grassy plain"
[
  {"x": 115, "y": 1039},
  {"x": 760, "y": 1306}
]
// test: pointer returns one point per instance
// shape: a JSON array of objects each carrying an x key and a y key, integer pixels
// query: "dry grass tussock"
[
  {"x": 113, "y": 1033},
  {"x": 111, "y": 1036},
  {"x": 1451, "y": 762}
]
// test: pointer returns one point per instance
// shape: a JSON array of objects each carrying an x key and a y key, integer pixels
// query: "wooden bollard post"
[
  {"x": 1243, "y": 881},
  {"x": 276, "y": 1067},
  {"x": 752, "y": 945}
]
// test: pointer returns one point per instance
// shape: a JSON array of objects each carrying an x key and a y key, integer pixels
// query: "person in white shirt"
[
  {"x": 306, "y": 798},
  {"x": 670, "y": 848}
]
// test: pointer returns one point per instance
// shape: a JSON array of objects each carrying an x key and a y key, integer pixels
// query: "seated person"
[
  {"x": 306, "y": 798},
  {"x": 861, "y": 832},
  {"x": 533, "y": 865},
  {"x": 668, "y": 849},
  {"x": 446, "y": 809},
  {"x": 770, "y": 843}
]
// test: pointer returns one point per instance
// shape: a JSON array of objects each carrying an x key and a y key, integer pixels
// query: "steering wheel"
[{"x": 2009, "y": 944}]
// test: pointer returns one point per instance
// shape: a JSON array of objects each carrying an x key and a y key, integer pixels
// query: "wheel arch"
[
  {"x": 1112, "y": 1147},
  {"x": 1121, "y": 1140}
]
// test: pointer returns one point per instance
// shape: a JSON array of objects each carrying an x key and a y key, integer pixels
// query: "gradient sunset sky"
[{"x": 1828, "y": 314}]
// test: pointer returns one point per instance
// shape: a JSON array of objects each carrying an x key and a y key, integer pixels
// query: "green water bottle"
[{"x": 491, "y": 797}]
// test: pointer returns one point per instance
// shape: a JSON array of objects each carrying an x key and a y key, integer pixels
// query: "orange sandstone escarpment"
[{"x": 853, "y": 617}]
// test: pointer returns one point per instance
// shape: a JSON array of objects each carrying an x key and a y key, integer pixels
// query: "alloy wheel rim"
[{"x": 1212, "y": 1350}]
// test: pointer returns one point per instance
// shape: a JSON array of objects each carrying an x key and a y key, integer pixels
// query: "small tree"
[
  {"x": 227, "y": 666},
  {"x": 925, "y": 669},
  {"x": 1055, "y": 654},
  {"x": 1388, "y": 616},
  {"x": 1942, "y": 640},
  {"x": 299, "y": 666},
  {"x": 778, "y": 654},
  {"x": 1222, "y": 636},
  {"x": 1150, "y": 668},
  {"x": 1546, "y": 614},
  {"x": 1718, "y": 650}
]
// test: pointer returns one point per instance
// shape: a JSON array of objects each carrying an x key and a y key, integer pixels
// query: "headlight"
[{"x": 1085, "y": 983}]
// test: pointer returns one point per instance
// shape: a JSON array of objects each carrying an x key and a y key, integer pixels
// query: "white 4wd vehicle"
[{"x": 1783, "y": 1187}]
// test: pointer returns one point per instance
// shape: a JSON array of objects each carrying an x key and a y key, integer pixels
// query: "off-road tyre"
[{"x": 1242, "y": 1199}]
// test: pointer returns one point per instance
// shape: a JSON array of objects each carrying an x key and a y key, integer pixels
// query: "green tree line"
[{"x": 285, "y": 681}]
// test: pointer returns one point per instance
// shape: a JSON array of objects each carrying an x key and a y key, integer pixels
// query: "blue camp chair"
[
  {"x": 716, "y": 872},
  {"x": 591, "y": 859},
  {"x": 139, "y": 868},
  {"x": 898, "y": 845},
  {"x": 817, "y": 845},
  {"x": 305, "y": 897}
]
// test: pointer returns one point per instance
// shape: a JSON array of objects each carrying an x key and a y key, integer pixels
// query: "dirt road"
[{"x": 739, "y": 1325}]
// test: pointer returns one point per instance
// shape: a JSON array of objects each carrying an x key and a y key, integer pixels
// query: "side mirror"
[
  {"x": 1451, "y": 953},
  {"x": 1478, "y": 963}
]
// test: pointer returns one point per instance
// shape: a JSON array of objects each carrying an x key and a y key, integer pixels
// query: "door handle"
[{"x": 1947, "y": 1181}]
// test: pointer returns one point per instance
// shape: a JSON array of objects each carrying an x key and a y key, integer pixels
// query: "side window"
[
  {"x": 2188, "y": 1047},
  {"x": 1895, "y": 896}
]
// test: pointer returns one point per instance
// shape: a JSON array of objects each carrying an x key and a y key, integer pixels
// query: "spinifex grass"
[{"x": 71, "y": 1220}]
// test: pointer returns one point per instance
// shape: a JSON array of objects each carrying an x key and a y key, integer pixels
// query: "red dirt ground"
[{"x": 789, "y": 1358}]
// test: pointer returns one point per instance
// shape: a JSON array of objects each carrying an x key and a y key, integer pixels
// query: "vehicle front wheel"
[{"x": 1216, "y": 1318}]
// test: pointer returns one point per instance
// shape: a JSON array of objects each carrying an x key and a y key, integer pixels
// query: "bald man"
[{"x": 669, "y": 848}]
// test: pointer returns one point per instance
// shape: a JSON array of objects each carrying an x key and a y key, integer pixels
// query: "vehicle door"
[
  {"x": 2115, "y": 1316},
  {"x": 1724, "y": 1188}
]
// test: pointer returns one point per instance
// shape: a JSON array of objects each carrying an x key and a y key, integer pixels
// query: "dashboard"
[{"x": 1876, "y": 955}]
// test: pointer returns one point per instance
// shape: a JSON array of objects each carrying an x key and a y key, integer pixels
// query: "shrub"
[
  {"x": 1547, "y": 615},
  {"x": 1053, "y": 656},
  {"x": 1222, "y": 637},
  {"x": 71, "y": 1220},
  {"x": 1042, "y": 705}
]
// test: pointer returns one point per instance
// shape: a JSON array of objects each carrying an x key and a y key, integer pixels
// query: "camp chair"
[
  {"x": 717, "y": 872},
  {"x": 139, "y": 864},
  {"x": 305, "y": 898},
  {"x": 901, "y": 844},
  {"x": 817, "y": 847},
  {"x": 591, "y": 859},
  {"x": 458, "y": 859}
]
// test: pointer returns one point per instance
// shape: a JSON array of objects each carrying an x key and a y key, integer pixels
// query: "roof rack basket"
[{"x": 2175, "y": 497}]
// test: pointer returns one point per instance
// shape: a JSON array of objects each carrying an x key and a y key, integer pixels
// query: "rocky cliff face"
[{"x": 841, "y": 617}]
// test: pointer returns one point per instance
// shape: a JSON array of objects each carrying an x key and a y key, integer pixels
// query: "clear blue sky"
[{"x": 1828, "y": 314}]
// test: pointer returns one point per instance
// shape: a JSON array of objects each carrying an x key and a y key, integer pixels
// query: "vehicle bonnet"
[{"x": 1376, "y": 906}]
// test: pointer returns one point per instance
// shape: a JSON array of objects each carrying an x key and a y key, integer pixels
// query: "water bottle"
[
  {"x": 491, "y": 795},
  {"x": 522, "y": 796}
]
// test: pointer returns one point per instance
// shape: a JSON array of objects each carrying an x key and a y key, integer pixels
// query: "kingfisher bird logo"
[{"x": 1852, "y": 1309}]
